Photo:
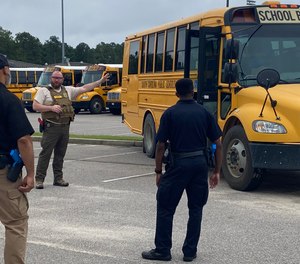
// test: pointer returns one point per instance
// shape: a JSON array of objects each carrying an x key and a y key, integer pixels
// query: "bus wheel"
[
  {"x": 96, "y": 105},
  {"x": 77, "y": 110},
  {"x": 237, "y": 162},
  {"x": 30, "y": 109},
  {"x": 149, "y": 143}
]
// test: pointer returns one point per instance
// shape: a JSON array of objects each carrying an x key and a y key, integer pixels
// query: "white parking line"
[
  {"x": 128, "y": 177},
  {"x": 104, "y": 156}
]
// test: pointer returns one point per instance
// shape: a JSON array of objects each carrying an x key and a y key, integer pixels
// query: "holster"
[{"x": 41, "y": 125}]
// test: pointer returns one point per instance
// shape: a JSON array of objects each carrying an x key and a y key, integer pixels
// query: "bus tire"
[
  {"x": 96, "y": 105},
  {"x": 237, "y": 161},
  {"x": 76, "y": 110},
  {"x": 30, "y": 109},
  {"x": 149, "y": 142}
]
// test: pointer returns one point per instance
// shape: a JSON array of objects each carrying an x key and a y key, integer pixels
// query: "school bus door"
[{"x": 208, "y": 64}]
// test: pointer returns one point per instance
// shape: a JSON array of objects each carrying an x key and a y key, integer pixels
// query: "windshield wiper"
[{"x": 242, "y": 52}]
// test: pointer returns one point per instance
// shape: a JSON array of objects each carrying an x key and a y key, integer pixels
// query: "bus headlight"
[
  {"x": 267, "y": 127},
  {"x": 84, "y": 97}
]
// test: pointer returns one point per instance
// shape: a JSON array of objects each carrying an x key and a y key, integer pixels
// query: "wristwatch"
[{"x": 158, "y": 171}]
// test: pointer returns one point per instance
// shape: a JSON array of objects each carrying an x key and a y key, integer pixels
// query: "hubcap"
[{"x": 236, "y": 158}]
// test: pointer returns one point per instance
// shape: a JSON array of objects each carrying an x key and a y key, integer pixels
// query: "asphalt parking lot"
[{"x": 107, "y": 214}]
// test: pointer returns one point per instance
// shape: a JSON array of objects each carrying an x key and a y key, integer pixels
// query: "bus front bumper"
[
  {"x": 275, "y": 156},
  {"x": 27, "y": 103},
  {"x": 81, "y": 105},
  {"x": 113, "y": 105}
]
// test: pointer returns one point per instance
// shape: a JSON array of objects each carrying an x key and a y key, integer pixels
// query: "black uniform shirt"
[
  {"x": 14, "y": 123},
  {"x": 187, "y": 125}
]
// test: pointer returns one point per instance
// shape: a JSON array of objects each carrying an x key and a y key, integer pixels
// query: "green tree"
[
  {"x": 7, "y": 45},
  {"x": 28, "y": 48},
  {"x": 82, "y": 52},
  {"x": 52, "y": 50}
]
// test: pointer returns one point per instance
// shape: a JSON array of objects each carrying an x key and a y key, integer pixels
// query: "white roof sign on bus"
[{"x": 278, "y": 15}]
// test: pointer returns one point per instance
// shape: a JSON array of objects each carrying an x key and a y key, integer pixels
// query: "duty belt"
[{"x": 181, "y": 155}]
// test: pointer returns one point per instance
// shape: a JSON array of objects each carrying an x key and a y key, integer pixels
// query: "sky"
[{"x": 95, "y": 21}]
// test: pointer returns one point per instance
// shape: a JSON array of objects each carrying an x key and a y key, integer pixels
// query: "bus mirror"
[
  {"x": 230, "y": 74},
  {"x": 231, "y": 49},
  {"x": 268, "y": 78}
]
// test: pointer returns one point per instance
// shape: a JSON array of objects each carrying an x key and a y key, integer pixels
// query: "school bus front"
[
  {"x": 72, "y": 76},
  {"x": 247, "y": 75},
  {"x": 95, "y": 100}
]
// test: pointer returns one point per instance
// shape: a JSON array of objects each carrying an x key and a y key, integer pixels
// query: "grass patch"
[{"x": 107, "y": 137}]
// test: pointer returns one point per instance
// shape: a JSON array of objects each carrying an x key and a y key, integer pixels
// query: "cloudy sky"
[{"x": 95, "y": 21}]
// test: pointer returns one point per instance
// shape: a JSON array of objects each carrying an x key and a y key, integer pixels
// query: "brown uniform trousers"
[
  {"x": 55, "y": 137},
  {"x": 13, "y": 215}
]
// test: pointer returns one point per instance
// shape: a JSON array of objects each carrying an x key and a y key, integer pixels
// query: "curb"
[{"x": 129, "y": 143}]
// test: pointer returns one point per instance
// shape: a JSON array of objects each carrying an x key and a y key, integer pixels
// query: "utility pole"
[
  {"x": 62, "y": 33},
  {"x": 227, "y": 3}
]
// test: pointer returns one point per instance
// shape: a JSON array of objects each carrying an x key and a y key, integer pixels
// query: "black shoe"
[
  {"x": 153, "y": 255},
  {"x": 39, "y": 185},
  {"x": 188, "y": 258},
  {"x": 61, "y": 183}
]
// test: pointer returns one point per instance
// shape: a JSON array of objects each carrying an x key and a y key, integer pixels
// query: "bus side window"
[
  {"x": 13, "y": 75},
  {"x": 22, "y": 77},
  {"x": 67, "y": 79},
  {"x": 30, "y": 77},
  {"x": 113, "y": 78}
]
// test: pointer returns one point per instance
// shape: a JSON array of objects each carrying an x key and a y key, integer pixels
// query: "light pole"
[
  {"x": 62, "y": 33},
  {"x": 227, "y": 3}
]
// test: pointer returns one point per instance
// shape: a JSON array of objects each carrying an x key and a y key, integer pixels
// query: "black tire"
[
  {"x": 30, "y": 109},
  {"x": 76, "y": 110},
  {"x": 237, "y": 161},
  {"x": 96, "y": 105},
  {"x": 149, "y": 143}
]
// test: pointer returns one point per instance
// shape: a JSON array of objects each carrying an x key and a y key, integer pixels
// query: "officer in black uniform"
[
  {"x": 15, "y": 134},
  {"x": 186, "y": 127}
]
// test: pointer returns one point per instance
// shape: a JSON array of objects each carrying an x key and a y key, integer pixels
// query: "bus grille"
[
  {"x": 27, "y": 96},
  {"x": 113, "y": 96}
]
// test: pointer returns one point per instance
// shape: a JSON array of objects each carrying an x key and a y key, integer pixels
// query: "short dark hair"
[
  {"x": 184, "y": 86},
  {"x": 3, "y": 61}
]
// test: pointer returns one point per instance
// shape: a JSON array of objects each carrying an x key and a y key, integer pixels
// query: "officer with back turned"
[
  {"x": 186, "y": 126},
  {"x": 15, "y": 136}
]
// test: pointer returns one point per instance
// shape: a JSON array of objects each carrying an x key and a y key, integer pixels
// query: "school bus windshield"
[
  {"x": 268, "y": 46},
  {"x": 91, "y": 76},
  {"x": 44, "y": 79}
]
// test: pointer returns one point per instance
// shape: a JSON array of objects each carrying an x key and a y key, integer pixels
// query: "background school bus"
[
  {"x": 22, "y": 79},
  {"x": 95, "y": 100},
  {"x": 72, "y": 76}
]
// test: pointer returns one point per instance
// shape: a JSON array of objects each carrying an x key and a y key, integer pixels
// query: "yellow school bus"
[
  {"x": 95, "y": 100},
  {"x": 72, "y": 76},
  {"x": 113, "y": 102},
  {"x": 245, "y": 64},
  {"x": 23, "y": 78}
]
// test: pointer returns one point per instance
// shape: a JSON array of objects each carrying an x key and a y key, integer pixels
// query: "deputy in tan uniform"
[
  {"x": 15, "y": 134},
  {"x": 54, "y": 102}
]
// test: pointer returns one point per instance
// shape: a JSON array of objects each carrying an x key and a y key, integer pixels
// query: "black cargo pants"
[{"x": 189, "y": 174}]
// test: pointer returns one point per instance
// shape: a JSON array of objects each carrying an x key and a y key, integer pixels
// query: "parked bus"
[
  {"x": 23, "y": 78},
  {"x": 72, "y": 76},
  {"x": 95, "y": 100},
  {"x": 257, "y": 106},
  {"x": 113, "y": 102}
]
